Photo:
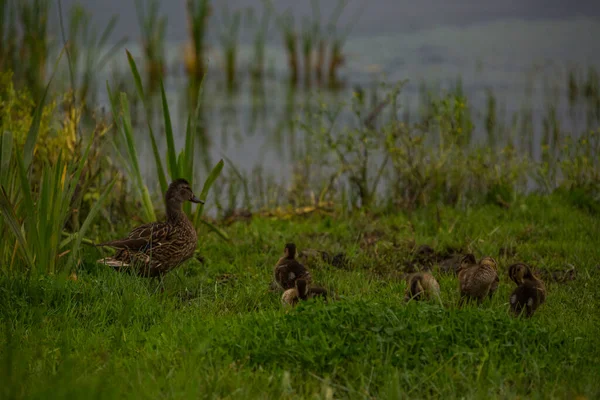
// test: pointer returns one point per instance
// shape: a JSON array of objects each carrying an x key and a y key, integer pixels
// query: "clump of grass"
[{"x": 35, "y": 209}]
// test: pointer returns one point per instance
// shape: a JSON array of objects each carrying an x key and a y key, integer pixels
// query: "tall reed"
[
  {"x": 229, "y": 37},
  {"x": 153, "y": 30},
  {"x": 198, "y": 12},
  {"x": 179, "y": 165},
  {"x": 262, "y": 28},
  {"x": 35, "y": 42},
  {"x": 290, "y": 39},
  {"x": 89, "y": 53}
]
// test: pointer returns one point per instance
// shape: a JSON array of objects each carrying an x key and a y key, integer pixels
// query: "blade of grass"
[
  {"x": 242, "y": 179},
  {"x": 216, "y": 229},
  {"x": 140, "y": 89},
  {"x": 127, "y": 132},
  {"x": 6, "y": 148},
  {"x": 27, "y": 199},
  {"x": 37, "y": 118},
  {"x": 171, "y": 154},
  {"x": 88, "y": 220},
  {"x": 10, "y": 218},
  {"x": 212, "y": 177}
]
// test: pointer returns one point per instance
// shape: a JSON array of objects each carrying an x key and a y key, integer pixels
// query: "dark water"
[{"x": 502, "y": 46}]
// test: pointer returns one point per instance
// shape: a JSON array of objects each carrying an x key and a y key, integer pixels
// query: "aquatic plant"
[{"x": 153, "y": 29}]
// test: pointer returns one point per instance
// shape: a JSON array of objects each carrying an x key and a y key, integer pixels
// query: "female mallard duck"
[
  {"x": 421, "y": 285},
  {"x": 156, "y": 248},
  {"x": 477, "y": 280},
  {"x": 530, "y": 292},
  {"x": 301, "y": 291},
  {"x": 288, "y": 269}
]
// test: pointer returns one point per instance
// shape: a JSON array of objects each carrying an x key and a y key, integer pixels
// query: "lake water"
[{"x": 502, "y": 53}]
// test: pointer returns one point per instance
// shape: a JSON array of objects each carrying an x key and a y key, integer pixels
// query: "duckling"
[
  {"x": 288, "y": 269},
  {"x": 529, "y": 294},
  {"x": 562, "y": 275},
  {"x": 516, "y": 272},
  {"x": 156, "y": 248},
  {"x": 313, "y": 257},
  {"x": 421, "y": 285},
  {"x": 302, "y": 291},
  {"x": 477, "y": 280},
  {"x": 452, "y": 263}
]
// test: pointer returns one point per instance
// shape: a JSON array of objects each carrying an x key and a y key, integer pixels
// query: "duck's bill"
[{"x": 197, "y": 200}]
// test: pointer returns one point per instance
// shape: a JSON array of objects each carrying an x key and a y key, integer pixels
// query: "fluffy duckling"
[
  {"x": 517, "y": 272},
  {"x": 302, "y": 291},
  {"x": 288, "y": 269},
  {"x": 530, "y": 292},
  {"x": 312, "y": 257},
  {"x": 451, "y": 264},
  {"x": 477, "y": 280},
  {"x": 421, "y": 285}
]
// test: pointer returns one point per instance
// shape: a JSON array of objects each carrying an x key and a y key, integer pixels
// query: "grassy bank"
[{"x": 216, "y": 330}]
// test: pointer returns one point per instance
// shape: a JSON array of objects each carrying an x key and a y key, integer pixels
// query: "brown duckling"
[
  {"x": 421, "y": 285},
  {"x": 302, "y": 291},
  {"x": 562, "y": 275},
  {"x": 477, "y": 280},
  {"x": 288, "y": 269},
  {"x": 156, "y": 248},
  {"x": 312, "y": 257},
  {"x": 451, "y": 264},
  {"x": 530, "y": 292},
  {"x": 516, "y": 272}
]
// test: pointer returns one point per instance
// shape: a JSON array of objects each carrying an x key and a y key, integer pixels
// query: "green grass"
[{"x": 216, "y": 331}]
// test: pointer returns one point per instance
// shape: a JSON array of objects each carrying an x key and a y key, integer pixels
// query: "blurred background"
[{"x": 523, "y": 70}]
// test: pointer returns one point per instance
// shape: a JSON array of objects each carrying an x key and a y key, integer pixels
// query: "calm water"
[{"x": 497, "y": 46}]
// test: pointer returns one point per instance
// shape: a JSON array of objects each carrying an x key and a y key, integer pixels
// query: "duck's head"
[
  {"x": 489, "y": 262},
  {"x": 519, "y": 272},
  {"x": 290, "y": 250},
  {"x": 180, "y": 191},
  {"x": 466, "y": 260}
]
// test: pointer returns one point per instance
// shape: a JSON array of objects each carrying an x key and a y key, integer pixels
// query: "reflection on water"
[{"x": 256, "y": 126}]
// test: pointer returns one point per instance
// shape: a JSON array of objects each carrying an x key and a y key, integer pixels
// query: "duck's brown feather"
[
  {"x": 287, "y": 271},
  {"x": 527, "y": 297}
]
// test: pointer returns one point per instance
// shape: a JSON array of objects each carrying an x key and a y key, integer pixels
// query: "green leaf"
[
  {"x": 10, "y": 218},
  {"x": 88, "y": 220},
  {"x": 127, "y": 132},
  {"x": 138, "y": 84},
  {"x": 171, "y": 154},
  {"x": 34, "y": 128},
  {"x": 212, "y": 177},
  {"x": 6, "y": 147}
]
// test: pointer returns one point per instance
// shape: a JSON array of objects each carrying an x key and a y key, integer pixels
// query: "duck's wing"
[{"x": 144, "y": 237}]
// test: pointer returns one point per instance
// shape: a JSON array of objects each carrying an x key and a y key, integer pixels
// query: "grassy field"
[{"x": 217, "y": 332}]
